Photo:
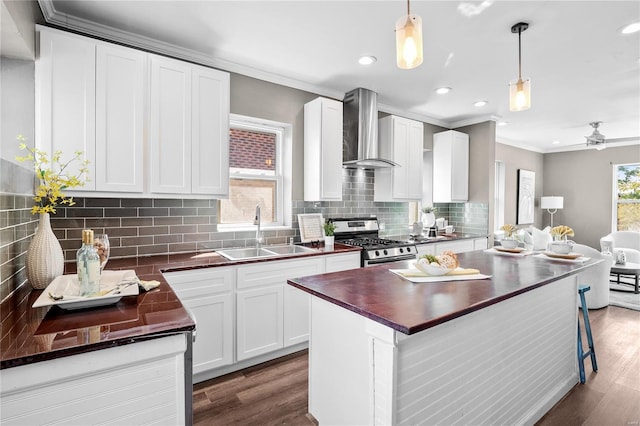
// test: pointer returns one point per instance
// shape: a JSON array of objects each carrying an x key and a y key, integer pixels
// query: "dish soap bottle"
[{"x": 88, "y": 265}]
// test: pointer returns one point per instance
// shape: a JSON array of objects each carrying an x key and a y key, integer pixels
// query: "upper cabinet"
[
  {"x": 66, "y": 98},
  {"x": 323, "y": 150},
  {"x": 189, "y": 128},
  {"x": 147, "y": 124},
  {"x": 401, "y": 141},
  {"x": 450, "y": 167}
]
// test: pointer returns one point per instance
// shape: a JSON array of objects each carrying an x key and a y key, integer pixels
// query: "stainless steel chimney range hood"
[{"x": 360, "y": 131}]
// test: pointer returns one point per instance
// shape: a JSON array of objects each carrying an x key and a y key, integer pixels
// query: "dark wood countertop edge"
[{"x": 442, "y": 319}]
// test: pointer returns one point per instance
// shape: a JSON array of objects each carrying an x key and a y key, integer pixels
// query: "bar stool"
[{"x": 591, "y": 352}]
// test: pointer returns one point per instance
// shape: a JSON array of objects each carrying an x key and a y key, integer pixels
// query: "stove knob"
[
  {"x": 401, "y": 250},
  {"x": 377, "y": 253},
  {"x": 408, "y": 249},
  {"x": 385, "y": 251}
]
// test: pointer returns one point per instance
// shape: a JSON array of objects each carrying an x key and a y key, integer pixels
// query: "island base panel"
[{"x": 508, "y": 363}]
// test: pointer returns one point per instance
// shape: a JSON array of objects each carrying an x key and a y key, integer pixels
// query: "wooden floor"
[{"x": 275, "y": 393}]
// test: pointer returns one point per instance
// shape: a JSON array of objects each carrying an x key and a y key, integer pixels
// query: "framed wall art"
[{"x": 526, "y": 197}]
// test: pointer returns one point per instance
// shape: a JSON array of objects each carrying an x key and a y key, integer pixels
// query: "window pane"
[
  {"x": 252, "y": 152},
  {"x": 628, "y": 198},
  {"x": 244, "y": 195}
]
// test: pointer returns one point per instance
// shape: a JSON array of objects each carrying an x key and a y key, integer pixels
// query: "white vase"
[
  {"x": 328, "y": 241},
  {"x": 45, "y": 259}
]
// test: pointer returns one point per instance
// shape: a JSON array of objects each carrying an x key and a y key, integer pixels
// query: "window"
[
  {"x": 258, "y": 165},
  {"x": 626, "y": 203}
]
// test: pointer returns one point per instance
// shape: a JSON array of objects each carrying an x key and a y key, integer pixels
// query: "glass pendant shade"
[
  {"x": 409, "y": 41},
  {"x": 520, "y": 95}
]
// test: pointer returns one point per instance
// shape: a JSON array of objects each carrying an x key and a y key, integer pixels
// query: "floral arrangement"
[
  {"x": 52, "y": 176},
  {"x": 561, "y": 232},
  {"x": 429, "y": 209},
  {"x": 509, "y": 229},
  {"x": 329, "y": 227}
]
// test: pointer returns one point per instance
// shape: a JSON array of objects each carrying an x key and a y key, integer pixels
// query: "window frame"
[
  {"x": 283, "y": 170},
  {"x": 614, "y": 193}
]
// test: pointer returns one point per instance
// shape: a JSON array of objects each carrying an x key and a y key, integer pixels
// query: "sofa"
[
  {"x": 625, "y": 241},
  {"x": 596, "y": 277}
]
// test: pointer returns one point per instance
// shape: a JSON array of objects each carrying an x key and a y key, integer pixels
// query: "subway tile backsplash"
[{"x": 143, "y": 227}]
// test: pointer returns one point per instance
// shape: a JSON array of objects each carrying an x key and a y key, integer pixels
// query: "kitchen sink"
[
  {"x": 290, "y": 249},
  {"x": 267, "y": 251}
]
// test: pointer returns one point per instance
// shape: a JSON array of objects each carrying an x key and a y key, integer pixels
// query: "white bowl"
[
  {"x": 560, "y": 247},
  {"x": 429, "y": 269},
  {"x": 509, "y": 244}
]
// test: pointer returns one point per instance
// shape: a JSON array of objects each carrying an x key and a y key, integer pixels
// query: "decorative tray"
[
  {"x": 508, "y": 250},
  {"x": 113, "y": 286},
  {"x": 562, "y": 256}
]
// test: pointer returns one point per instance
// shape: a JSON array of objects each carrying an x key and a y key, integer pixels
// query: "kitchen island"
[{"x": 384, "y": 350}]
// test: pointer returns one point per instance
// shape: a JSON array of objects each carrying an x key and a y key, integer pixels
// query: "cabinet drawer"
[
  {"x": 342, "y": 262},
  {"x": 197, "y": 282},
  {"x": 271, "y": 273}
]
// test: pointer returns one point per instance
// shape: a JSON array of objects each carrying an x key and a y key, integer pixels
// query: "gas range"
[{"x": 363, "y": 232}]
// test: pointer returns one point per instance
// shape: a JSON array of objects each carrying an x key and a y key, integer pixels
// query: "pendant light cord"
[
  {"x": 408, "y": 10},
  {"x": 519, "y": 54}
]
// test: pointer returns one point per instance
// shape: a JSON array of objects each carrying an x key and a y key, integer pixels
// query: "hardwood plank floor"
[{"x": 275, "y": 393}]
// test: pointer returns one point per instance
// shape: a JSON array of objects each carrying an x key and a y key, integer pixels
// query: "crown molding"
[
  {"x": 412, "y": 115},
  {"x": 475, "y": 120}
]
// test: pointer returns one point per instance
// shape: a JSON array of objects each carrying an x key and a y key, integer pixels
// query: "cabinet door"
[
  {"x": 480, "y": 244},
  {"x": 65, "y": 98},
  {"x": 414, "y": 160},
  {"x": 170, "y": 142},
  {"x": 259, "y": 319},
  {"x": 210, "y": 132},
  {"x": 296, "y": 315},
  {"x": 426, "y": 249},
  {"x": 323, "y": 150},
  {"x": 214, "y": 339},
  {"x": 401, "y": 141},
  {"x": 459, "y": 246},
  {"x": 342, "y": 262},
  {"x": 120, "y": 92},
  {"x": 460, "y": 167}
]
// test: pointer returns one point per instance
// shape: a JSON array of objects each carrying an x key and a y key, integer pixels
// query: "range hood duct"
[{"x": 360, "y": 131}]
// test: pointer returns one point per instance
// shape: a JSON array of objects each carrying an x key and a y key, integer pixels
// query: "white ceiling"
[{"x": 581, "y": 67}]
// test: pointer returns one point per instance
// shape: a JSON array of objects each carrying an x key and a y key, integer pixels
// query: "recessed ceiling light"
[
  {"x": 367, "y": 60},
  {"x": 442, "y": 90},
  {"x": 502, "y": 123},
  {"x": 631, "y": 28},
  {"x": 480, "y": 103},
  {"x": 556, "y": 142}
]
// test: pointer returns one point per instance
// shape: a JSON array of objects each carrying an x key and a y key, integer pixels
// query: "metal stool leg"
[{"x": 587, "y": 326}]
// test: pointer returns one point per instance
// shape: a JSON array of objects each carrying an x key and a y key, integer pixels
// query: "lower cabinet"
[
  {"x": 248, "y": 310},
  {"x": 270, "y": 314},
  {"x": 207, "y": 294},
  {"x": 456, "y": 246}
]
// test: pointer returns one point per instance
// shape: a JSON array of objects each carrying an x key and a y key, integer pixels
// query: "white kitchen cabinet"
[
  {"x": 259, "y": 320},
  {"x": 189, "y": 138},
  {"x": 270, "y": 314},
  {"x": 426, "y": 249},
  {"x": 148, "y": 125},
  {"x": 401, "y": 141},
  {"x": 456, "y": 246},
  {"x": 323, "y": 150},
  {"x": 342, "y": 262},
  {"x": 450, "y": 167},
  {"x": 210, "y": 132},
  {"x": 120, "y": 93},
  {"x": 66, "y": 98},
  {"x": 208, "y": 294},
  {"x": 170, "y": 127}
]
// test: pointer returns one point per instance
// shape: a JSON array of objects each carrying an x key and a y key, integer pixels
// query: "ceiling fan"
[{"x": 596, "y": 138}]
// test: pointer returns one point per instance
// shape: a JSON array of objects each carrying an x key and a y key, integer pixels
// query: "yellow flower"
[
  {"x": 508, "y": 229},
  {"x": 561, "y": 231},
  {"x": 52, "y": 176}
]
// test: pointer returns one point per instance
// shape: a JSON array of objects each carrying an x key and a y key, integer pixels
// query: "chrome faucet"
[{"x": 256, "y": 221}]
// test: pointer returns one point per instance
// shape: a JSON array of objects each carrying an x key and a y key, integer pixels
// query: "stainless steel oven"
[{"x": 364, "y": 232}]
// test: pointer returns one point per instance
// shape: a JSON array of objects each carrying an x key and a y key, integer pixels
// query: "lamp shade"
[
  {"x": 520, "y": 95},
  {"x": 409, "y": 41},
  {"x": 551, "y": 202}
]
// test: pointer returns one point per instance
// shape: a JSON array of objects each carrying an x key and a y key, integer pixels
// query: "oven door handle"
[{"x": 389, "y": 260}]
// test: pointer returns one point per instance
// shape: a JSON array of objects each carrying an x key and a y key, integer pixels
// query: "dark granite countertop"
[
  {"x": 439, "y": 239},
  {"x": 383, "y": 296},
  {"x": 37, "y": 334}
]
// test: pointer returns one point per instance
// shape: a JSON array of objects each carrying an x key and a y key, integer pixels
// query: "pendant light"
[
  {"x": 409, "y": 40},
  {"x": 519, "y": 90}
]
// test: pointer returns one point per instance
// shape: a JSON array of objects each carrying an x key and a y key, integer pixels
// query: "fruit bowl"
[{"x": 432, "y": 269}]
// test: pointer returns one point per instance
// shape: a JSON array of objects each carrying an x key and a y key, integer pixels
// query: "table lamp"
[{"x": 552, "y": 204}]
